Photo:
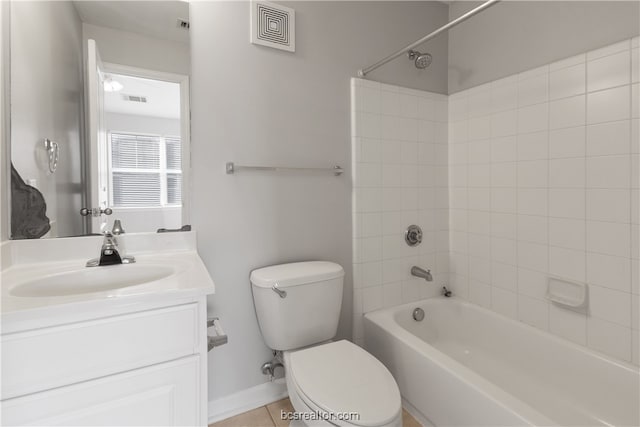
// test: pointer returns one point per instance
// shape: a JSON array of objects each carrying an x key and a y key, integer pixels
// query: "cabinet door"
[{"x": 162, "y": 395}]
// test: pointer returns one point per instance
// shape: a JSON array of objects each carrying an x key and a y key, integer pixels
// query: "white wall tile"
[
  {"x": 533, "y": 174},
  {"x": 567, "y": 112},
  {"x": 533, "y": 201},
  {"x": 480, "y": 293},
  {"x": 610, "y": 305},
  {"x": 504, "y": 96},
  {"x": 503, "y": 174},
  {"x": 568, "y": 142},
  {"x": 567, "y": 173},
  {"x": 567, "y": 203},
  {"x": 503, "y": 200},
  {"x": 533, "y": 90},
  {"x": 533, "y": 146},
  {"x": 608, "y": 172},
  {"x": 504, "y": 276},
  {"x": 568, "y": 324},
  {"x": 504, "y": 123},
  {"x": 504, "y": 251},
  {"x": 609, "y": 138},
  {"x": 532, "y": 283},
  {"x": 609, "y": 338},
  {"x": 479, "y": 152},
  {"x": 533, "y": 312},
  {"x": 608, "y": 105},
  {"x": 609, "y": 238},
  {"x": 567, "y": 233},
  {"x": 609, "y": 71},
  {"x": 372, "y": 298},
  {"x": 609, "y": 205},
  {"x": 504, "y": 225},
  {"x": 609, "y": 271},
  {"x": 533, "y": 118},
  {"x": 567, "y": 263},
  {"x": 533, "y": 256},
  {"x": 479, "y": 175},
  {"x": 504, "y": 302},
  {"x": 635, "y": 66},
  {"x": 504, "y": 149},
  {"x": 533, "y": 228},
  {"x": 566, "y": 82}
]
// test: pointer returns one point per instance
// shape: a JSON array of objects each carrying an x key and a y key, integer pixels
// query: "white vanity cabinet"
[{"x": 146, "y": 366}]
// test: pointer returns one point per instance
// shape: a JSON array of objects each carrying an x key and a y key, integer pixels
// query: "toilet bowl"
[
  {"x": 341, "y": 384},
  {"x": 329, "y": 383}
]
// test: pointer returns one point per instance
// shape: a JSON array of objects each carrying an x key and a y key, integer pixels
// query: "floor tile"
[
  {"x": 275, "y": 408},
  {"x": 256, "y": 418}
]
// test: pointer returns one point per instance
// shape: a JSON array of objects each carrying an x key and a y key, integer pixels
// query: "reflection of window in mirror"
[{"x": 143, "y": 160}]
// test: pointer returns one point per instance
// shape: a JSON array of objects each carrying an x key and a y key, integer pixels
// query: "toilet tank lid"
[{"x": 297, "y": 273}]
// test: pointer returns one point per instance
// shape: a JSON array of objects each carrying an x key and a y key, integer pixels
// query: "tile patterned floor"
[{"x": 269, "y": 416}]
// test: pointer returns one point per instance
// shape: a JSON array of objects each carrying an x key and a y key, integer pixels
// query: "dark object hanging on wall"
[{"x": 28, "y": 210}]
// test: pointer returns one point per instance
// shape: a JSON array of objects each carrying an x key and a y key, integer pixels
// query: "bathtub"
[{"x": 464, "y": 365}]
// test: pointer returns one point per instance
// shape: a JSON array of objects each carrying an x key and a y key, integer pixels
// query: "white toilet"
[{"x": 329, "y": 383}]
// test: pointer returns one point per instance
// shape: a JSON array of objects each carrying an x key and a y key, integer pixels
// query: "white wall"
[
  {"x": 514, "y": 36},
  {"x": 46, "y": 102},
  {"x": 137, "y": 220},
  {"x": 142, "y": 124},
  {"x": 136, "y": 50},
  {"x": 544, "y": 182},
  {"x": 256, "y": 105},
  {"x": 399, "y": 165}
]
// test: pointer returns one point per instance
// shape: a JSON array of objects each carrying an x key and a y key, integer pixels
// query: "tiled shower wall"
[
  {"x": 543, "y": 171},
  {"x": 400, "y": 178}
]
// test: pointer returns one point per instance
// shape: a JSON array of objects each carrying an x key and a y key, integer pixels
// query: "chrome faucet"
[
  {"x": 445, "y": 292},
  {"x": 109, "y": 253},
  {"x": 422, "y": 273}
]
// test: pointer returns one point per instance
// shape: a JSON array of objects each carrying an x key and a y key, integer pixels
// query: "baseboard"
[{"x": 247, "y": 400}]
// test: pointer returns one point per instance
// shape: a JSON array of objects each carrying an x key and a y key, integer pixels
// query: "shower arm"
[{"x": 364, "y": 71}]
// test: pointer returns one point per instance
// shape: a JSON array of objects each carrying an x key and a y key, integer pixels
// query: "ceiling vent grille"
[
  {"x": 182, "y": 23},
  {"x": 134, "y": 98},
  {"x": 273, "y": 25}
]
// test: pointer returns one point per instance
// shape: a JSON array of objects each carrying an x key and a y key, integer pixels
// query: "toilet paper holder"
[{"x": 219, "y": 337}]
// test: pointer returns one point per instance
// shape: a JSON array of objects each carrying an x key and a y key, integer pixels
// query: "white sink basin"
[{"x": 90, "y": 280}]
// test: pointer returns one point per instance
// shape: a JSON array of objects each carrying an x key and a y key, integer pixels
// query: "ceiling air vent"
[
  {"x": 273, "y": 25},
  {"x": 184, "y": 24},
  {"x": 134, "y": 98}
]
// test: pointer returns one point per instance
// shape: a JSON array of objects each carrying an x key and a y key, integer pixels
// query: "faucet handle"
[{"x": 117, "y": 228}]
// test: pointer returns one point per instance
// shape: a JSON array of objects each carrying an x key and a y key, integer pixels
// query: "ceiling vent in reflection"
[
  {"x": 183, "y": 23},
  {"x": 134, "y": 98},
  {"x": 273, "y": 25}
]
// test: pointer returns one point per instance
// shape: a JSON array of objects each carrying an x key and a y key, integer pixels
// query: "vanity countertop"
[{"x": 180, "y": 276}]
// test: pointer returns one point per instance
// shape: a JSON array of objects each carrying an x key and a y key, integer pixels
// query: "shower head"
[{"x": 421, "y": 60}]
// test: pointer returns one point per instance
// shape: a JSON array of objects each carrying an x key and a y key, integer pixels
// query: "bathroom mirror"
[{"x": 99, "y": 116}]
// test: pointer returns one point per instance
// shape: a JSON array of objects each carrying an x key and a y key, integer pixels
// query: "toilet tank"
[{"x": 304, "y": 307}]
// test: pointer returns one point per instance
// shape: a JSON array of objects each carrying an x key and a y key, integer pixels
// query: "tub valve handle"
[{"x": 446, "y": 292}]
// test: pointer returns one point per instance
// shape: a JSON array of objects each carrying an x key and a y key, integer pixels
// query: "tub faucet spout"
[{"x": 422, "y": 273}]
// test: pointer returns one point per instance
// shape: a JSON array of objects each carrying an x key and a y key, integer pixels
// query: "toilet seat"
[{"x": 340, "y": 377}]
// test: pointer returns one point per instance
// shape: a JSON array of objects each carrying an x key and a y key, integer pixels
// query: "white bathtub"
[{"x": 467, "y": 366}]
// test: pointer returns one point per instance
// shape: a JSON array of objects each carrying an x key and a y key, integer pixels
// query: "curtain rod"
[{"x": 364, "y": 71}]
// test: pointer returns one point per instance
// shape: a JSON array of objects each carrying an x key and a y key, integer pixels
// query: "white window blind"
[{"x": 145, "y": 170}]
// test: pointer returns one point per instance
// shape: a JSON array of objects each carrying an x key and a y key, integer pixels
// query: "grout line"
[{"x": 586, "y": 174}]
